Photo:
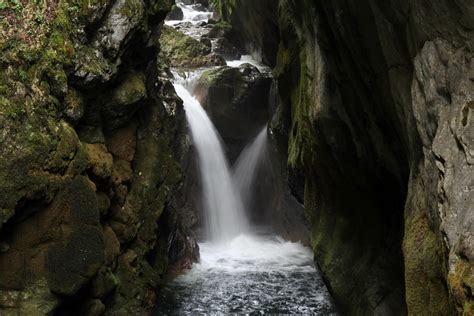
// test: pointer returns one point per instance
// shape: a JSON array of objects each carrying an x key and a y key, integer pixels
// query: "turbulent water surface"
[{"x": 254, "y": 273}]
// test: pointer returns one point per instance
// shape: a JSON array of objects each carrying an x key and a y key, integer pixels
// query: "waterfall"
[
  {"x": 246, "y": 166},
  {"x": 223, "y": 209}
]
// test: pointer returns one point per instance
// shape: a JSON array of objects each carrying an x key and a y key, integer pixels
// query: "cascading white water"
[
  {"x": 190, "y": 14},
  {"x": 224, "y": 213},
  {"x": 242, "y": 269},
  {"x": 246, "y": 166},
  {"x": 245, "y": 271}
]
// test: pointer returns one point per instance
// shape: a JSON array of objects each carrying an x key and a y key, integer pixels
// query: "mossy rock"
[
  {"x": 220, "y": 30},
  {"x": 91, "y": 67},
  {"x": 122, "y": 18},
  {"x": 100, "y": 162},
  {"x": 184, "y": 51},
  {"x": 123, "y": 102},
  {"x": 73, "y": 105},
  {"x": 36, "y": 299}
]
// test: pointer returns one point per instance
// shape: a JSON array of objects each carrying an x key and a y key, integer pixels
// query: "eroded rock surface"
[{"x": 92, "y": 138}]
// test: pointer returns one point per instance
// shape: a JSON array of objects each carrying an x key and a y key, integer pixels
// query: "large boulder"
[
  {"x": 236, "y": 99},
  {"x": 184, "y": 51}
]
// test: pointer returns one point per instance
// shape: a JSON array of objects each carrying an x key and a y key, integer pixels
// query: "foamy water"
[
  {"x": 248, "y": 59},
  {"x": 253, "y": 273},
  {"x": 190, "y": 15}
]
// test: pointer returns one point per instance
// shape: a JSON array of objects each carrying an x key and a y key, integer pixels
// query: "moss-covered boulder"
[{"x": 184, "y": 51}]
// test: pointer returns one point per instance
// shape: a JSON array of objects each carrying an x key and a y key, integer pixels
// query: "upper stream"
[{"x": 243, "y": 269}]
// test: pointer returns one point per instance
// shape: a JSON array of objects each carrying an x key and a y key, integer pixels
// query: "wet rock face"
[
  {"x": 123, "y": 17},
  {"x": 442, "y": 96},
  {"x": 237, "y": 102},
  {"x": 97, "y": 149}
]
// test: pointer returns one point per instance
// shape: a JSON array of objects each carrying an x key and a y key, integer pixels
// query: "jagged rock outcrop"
[
  {"x": 375, "y": 115},
  {"x": 92, "y": 144}
]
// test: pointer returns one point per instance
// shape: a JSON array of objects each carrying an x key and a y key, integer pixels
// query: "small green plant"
[{"x": 11, "y": 4}]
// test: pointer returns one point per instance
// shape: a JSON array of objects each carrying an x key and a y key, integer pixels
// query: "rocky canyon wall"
[
  {"x": 375, "y": 113},
  {"x": 92, "y": 135}
]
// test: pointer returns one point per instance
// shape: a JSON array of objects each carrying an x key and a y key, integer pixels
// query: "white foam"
[
  {"x": 247, "y": 59},
  {"x": 190, "y": 15},
  {"x": 254, "y": 253}
]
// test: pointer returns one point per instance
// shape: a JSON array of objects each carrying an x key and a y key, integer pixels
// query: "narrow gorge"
[{"x": 162, "y": 157}]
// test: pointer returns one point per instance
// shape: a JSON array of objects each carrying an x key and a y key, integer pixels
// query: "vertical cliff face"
[
  {"x": 375, "y": 110},
  {"x": 349, "y": 153},
  {"x": 90, "y": 169}
]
